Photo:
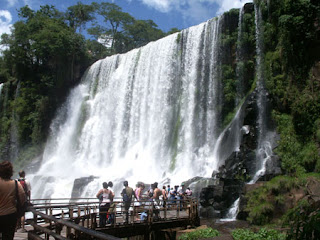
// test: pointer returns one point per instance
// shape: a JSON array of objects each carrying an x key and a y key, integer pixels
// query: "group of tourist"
[
  {"x": 141, "y": 198},
  {"x": 13, "y": 195}
]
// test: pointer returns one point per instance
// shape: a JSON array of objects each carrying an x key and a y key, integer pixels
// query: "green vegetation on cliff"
[
  {"x": 44, "y": 58},
  {"x": 292, "y": 46},
  {"x": 291, "y": 37}
]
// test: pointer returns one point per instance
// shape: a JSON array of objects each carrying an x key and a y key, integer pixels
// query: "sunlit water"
[
  {"x": 265, "y": 137},
  {"x": 1, "y": 86},
  {"x": 147, "y": 115},
  {"x": 232, "y": 213}
]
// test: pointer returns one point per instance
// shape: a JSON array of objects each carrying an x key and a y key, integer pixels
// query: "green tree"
[
  {"x": 173, "y": 30},
  {"x": 122, "y": 32},
  {"x": 78, "y": 15},
  {"x": 143, "y": 31},
  {"x": 114, "y": 18},
  {"x": 43, "y": 53}
]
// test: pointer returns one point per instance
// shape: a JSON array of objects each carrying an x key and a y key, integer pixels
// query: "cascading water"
[
  {"x": 152, "y": 114},
  {"x": 265, "y": 136},
  {"x": 238, "y": 120},
  {"x": 147, "y": 115},
  {"x": 239, "y": 60},
  {"x": 232, "y": 213},
  {"x": 1, "y": 86}
]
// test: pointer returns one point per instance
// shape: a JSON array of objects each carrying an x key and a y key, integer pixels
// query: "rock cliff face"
[
  {"x": 79, "y": 185},
  {"x": 239, "y": 168}
]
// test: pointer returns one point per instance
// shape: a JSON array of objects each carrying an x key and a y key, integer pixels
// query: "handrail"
[
  {"x": 45, "y": 230},
  {"x": 82, "y": 216},
  {"x": 77, "y": 227}
]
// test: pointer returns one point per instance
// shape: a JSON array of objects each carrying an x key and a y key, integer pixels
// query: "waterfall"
[
  {"x": 232, "y": 213},
  {"x": 239, "y": 60},
  {"x": 237, "y": 123},
  {"x": 1, "y": 86},
  {"x": 265, "y": 136},
  {"x": 148, "y": 115}
]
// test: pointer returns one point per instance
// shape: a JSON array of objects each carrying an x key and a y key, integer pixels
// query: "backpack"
[
  {"x": 23, "y": 183},
  {"x": 21, "y": 208},
  {"x": 125, "y": 196}
]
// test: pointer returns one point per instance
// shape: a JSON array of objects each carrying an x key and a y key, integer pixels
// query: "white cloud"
[
  {"x": 5, "y": 21},
  {"x": 225, "y": 5},
  {"x": 195, "y": 10},
  {"x": 19, "y": 3},
  {"x": 12, "y": 3},
  {"x": 5, "y": 24},
  {"x": 32, "y": 3},
  {"x": 160, "y": 5}
]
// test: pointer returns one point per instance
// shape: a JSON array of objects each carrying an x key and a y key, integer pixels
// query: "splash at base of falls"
[{"x": 232, "y": 213}]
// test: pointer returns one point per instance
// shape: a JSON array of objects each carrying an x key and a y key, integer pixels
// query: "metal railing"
[{"x": 78, "y": 218}]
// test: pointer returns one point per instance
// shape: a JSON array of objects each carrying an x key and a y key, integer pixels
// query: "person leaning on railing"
[{"x": 8, "y": 200}]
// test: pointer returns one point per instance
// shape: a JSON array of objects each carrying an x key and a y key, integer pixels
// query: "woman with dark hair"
[
  {"x": 106, "y": 196},
  {"x": 8, "y": 203}
]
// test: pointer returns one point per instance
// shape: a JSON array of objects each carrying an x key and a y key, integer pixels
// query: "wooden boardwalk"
[
  {"x": 19, "y": 235},
  {"x": 78, "y": 219}
]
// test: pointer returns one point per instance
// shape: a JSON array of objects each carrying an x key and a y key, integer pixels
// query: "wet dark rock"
[
  {"x": 79, "y": 184},
  {"x": 240, "y": 166},
  {"x": 196, "y": 184},
  {"x": 221, "y": 196},
  {"x": 209, "y": 212},
  {"x": 273, "y": 169},
  {"x": 248, "y": 7}
]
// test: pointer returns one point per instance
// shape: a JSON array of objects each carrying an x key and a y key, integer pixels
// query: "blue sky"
[{"x": 166, "y": 14}]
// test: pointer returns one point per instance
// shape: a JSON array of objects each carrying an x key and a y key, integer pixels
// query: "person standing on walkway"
[
  {"x": 181, "y": 195},
  {"x": 105, "y": 196},
  {"x": 27, "y": 189},
  {"x": 110, "y": 214},
  {"x": 127, "y": 194},
  {"x": 164, "y": 196},
  {"x": 9, "y": 191}
]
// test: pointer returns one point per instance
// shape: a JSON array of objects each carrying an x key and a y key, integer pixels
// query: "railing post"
[
  {"x": 70, "y": 217},
  {"x": 92, "y": 220},
  {"x": 151, "y": 217},
  {"x": 35, "y": 219},
  {"x": 134, "y": 213},
  {"x": 46, "y": 214},
  {"x": 114, "y": 215},
  {"x": 88, "y": 218},
  {"x": 83, "y": 219},
  {"x": 165, "y": 209},
  {"x": 50, "y": 224},
  {"x": 178, "y": 207}
]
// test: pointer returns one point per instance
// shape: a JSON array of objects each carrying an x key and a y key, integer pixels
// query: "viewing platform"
[{"x": 78, "y": 218}]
